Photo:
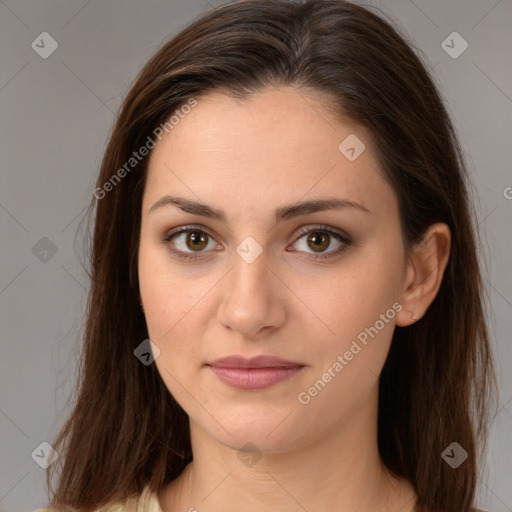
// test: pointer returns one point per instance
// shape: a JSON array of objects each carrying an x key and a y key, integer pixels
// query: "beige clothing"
[{"x": 148, "y": 502}]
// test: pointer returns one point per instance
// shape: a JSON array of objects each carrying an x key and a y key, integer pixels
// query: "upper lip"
[{"x": 253, "y": 362}]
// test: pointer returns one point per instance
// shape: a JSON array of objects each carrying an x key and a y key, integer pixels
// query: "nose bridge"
[
  {"x": 249, "y": 264},
  {"x": 250, "y": 276},
  {"x": 250, "y": 302}
]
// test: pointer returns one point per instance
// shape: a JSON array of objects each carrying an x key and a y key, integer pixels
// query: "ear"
[{"x": 424, "y": 273}]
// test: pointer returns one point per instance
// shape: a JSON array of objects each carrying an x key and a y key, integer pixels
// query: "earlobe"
[{"x": 425, "y": 273}]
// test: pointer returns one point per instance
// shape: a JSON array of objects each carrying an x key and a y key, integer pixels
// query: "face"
[{"x": 248, "y": 275}]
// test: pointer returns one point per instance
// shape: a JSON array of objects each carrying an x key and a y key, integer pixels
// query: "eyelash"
[{"x": 340, "y": 237}]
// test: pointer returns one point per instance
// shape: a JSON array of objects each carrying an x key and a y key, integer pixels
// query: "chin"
[
  {"x": 248, "y": 440},
  {"x": 257, "y": 430}
]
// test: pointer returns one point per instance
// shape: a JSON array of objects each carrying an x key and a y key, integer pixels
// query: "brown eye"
[
  {"x": 322, "y": 243},
  {"x": 196, "y": 240},
  {"x": 318, "y": 241},
  {"x": 189, "y": 242}
]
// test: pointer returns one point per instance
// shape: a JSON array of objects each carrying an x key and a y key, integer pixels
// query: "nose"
[{"x": 253, "y": 301}]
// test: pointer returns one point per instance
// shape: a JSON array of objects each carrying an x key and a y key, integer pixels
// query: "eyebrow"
[{"x": 283, "y": 213}]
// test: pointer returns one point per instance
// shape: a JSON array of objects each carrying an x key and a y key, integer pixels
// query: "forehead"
[{"x": 280, "y": 143}]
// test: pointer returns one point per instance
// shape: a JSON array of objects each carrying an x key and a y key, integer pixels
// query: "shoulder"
[
  {"x": 147, "y": 502},
  {"x": 473, "y": 509},
  {"x": 126, "y": 506}
]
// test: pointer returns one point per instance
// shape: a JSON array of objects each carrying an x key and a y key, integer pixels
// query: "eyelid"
[
  {"x": 183, "y": 229},
  {"x": 166, "y": 238},
  {"x": 340, "y": 236},
  {"x": 323, "y": 227}
]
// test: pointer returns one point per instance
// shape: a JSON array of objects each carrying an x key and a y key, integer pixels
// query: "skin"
[{"x": 248, "y": 158}]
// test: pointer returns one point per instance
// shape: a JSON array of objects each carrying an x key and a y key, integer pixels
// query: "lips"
[
  {"x": 253, "y": 362},
  {"x": 254, "y": 373}
]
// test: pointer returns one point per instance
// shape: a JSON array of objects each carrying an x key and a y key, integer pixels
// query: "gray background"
[{"x": 55, "y": 117}]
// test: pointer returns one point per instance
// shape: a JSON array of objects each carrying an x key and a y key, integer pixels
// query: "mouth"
[{"x": 254, "y": 373}]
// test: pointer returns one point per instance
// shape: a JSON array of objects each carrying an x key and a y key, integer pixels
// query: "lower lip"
[{"x": 253, "y": 378}]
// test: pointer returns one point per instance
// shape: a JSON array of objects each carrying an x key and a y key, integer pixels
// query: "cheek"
[
  {"x": 175, "y": 308},
  {"x": 168, "y": 294},
  {"x": 170, "y": 309},
  {"x": 355, "y": 313},
  {"x": 163, "y": 304},
  {"x": 361, "y": 311},
  {"x": 166, "y": 305},
  {"x": 351, "y": 298}
]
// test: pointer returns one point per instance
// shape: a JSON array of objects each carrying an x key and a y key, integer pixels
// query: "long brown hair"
[{"x": 125, "y": 430}]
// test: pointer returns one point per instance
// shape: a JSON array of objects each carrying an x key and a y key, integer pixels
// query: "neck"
[{"x": 340, "y": 471}]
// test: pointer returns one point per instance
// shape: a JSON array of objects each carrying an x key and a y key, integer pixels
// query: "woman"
[{"x": 282, "y": 210}]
